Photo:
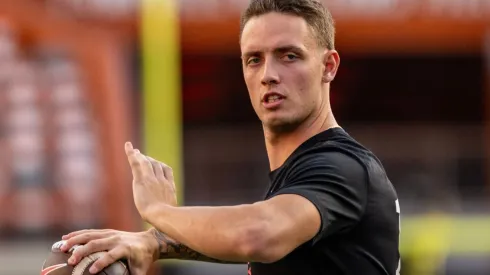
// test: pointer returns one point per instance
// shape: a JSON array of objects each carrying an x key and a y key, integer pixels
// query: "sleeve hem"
[{"x": 313, "y": 200}]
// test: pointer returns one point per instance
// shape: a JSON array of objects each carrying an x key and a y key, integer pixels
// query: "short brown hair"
[{"x": 312, "y": 11}]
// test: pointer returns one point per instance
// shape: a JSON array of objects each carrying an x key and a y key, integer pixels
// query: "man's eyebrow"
[
  {"x": 251, "y": 53},
  {"x": 282, "y": 49},
  {"x": 288, "y": 48}
]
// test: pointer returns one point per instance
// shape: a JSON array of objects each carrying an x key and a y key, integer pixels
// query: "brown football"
[{"x": 56, "y": 263}]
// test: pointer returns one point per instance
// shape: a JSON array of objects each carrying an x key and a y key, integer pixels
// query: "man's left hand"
[
  {"x": 153, "y": 181},
  {"x": 140, "y": 249}
]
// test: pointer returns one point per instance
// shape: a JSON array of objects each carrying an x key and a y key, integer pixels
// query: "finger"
[
  {"x": 128, "y": 147},
  {"x": 140, "y": 166},
  {"x": 91, "y": 247},
  {"x": 85, "y": 236},
  {"x": 109, "y": 258},
  {"x": 79, "y": 232},
  {"x": 133, "y": 161},
  {"x": 146, "y": 166},
  {"x": 167, "y": 170},
  {"x": 157, "y": 168},
  {"x": 73, "y": 234}
]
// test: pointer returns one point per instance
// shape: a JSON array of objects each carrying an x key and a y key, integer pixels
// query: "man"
[{"x": 330, "y": 208}]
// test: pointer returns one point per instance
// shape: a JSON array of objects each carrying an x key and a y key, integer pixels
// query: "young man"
[{"x": 330, "y": 208}]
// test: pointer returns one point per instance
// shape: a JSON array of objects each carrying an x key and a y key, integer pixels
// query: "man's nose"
[{"x": 270, "y": 74}]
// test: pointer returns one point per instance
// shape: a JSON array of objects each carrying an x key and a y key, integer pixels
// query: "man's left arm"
[{"x": 261, "y": 232}]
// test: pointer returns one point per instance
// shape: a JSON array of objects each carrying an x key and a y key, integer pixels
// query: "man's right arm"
[{"x": 171, "y": 249}]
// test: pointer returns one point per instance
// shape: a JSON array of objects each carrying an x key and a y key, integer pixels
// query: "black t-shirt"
[{"x": 357, "y": 203}]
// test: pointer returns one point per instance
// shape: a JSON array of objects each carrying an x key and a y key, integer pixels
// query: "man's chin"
[{"x": 280, "y": 126}]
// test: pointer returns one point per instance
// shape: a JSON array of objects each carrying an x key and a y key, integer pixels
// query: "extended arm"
[{"x": 260, "y": 232}]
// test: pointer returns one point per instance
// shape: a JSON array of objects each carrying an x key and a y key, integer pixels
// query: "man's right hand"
[{"x": 140, "y": 249}]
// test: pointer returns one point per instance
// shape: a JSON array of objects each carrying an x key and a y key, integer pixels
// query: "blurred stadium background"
[{"x": 79, "y": 78}]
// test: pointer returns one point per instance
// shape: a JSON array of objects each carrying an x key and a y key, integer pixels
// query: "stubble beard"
[{"x": 283, "y": 126}]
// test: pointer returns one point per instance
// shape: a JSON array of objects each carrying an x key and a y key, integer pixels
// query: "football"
[{"x": 57, "y": 263}]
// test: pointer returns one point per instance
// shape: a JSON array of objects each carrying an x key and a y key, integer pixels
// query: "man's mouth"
[{"x": 273, "y": 98}]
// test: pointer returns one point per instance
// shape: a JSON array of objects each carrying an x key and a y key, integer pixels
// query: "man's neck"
[{"x": 281, "y": 146}]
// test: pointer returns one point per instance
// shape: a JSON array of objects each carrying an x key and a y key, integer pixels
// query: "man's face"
[{"x": 284, "y": 69}]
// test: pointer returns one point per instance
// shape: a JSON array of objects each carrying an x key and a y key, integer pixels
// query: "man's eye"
[
  {"x": 290, "y": 57},
  {"x": 253, "y": 60}
]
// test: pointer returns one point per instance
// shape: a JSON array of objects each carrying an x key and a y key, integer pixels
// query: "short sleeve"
[{"x": 335, "y": 183}]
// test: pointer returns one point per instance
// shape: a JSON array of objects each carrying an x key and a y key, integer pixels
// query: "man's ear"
[{"x": 331, "y": 62}]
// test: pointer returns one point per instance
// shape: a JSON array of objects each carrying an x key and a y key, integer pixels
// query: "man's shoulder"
[
  {"x": 328, "y": 159},
  {"x": 341, "y": 150},
  {"x": 334, "y": 140}
]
